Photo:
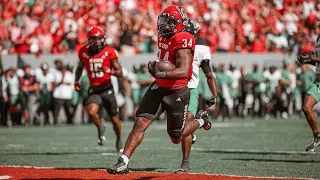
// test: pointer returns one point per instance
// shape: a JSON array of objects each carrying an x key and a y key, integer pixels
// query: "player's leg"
[
  {"x": 93, "y": 102},
  {"x": 83, "y": 110},
  {"x": 188, "y": 141},
  {"x": 311, "y": 99},
  {"x": 148, "y": 110},
  {"x": 176, "y": 105},
  {"x": 110, "y": 103},
  {"x": 186, "y": 144},
  {"x": 67, "y": 107},
  {"x": 57, "y": 104}
]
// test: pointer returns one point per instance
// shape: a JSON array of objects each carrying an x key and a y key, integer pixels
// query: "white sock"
[
  {"x": 125, "y": 159},
  {"x": 201, "y": 122}
]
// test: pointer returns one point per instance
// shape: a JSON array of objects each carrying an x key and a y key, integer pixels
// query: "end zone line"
[{"x": 35, "y": 167}]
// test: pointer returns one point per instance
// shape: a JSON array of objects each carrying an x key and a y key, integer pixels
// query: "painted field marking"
[
  {"x": 216, "y": 125},
  {"x": 254, "y": 151},
  {"x": 109, "y": 154},
  {"x": 5, "y": 177}
]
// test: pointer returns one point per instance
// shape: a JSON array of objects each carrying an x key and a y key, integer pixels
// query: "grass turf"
[{"x": 273, "y": 148}]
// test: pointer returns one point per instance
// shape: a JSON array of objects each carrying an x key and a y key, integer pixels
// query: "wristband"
[{"x": 162, "y": 75}]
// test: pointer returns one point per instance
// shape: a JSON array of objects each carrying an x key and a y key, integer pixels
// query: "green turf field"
[{"x": 272, "y": 148}]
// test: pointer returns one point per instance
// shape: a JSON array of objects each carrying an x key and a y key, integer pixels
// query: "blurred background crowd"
[
  {"x": 257, "y": 26},
  {"x": 36, "y": 96},
  {"x": 46, "y": 95}
]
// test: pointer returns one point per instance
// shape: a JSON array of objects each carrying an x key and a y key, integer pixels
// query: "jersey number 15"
[{"x": 96, "y": 69}]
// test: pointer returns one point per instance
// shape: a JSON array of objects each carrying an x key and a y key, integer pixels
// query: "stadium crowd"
[
  {"x": 263, "y": 92},
  {"x": 257, "y": 26}
]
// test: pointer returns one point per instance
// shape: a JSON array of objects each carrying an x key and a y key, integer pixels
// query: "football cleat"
[
  {"x": 204, "y": 115},
  {"x": 101, "y": 137},
  {"x": 314, "y": 144},
  {"x": 184, "y": 168},
  {"x": 181, "y": 171},
  {"x": 119, "y": 168}
]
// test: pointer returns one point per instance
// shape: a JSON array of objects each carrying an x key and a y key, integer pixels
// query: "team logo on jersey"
[
  {"x": 164, "y": 46},
  {"x": 169, "y": 43},
  {"x": 85, "y": 55}
]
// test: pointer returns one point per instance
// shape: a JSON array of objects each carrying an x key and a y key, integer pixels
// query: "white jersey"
[
  {"x": 45, "y": 81},
  {"x": 317, "y": 53},
  {"x": 273, "y": 78},
  {"x": 201, "y": 52},
  {"x": 235, "y": 76}
]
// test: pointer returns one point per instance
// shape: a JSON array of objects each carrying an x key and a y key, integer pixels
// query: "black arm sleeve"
[{"x": 205, "y": 66}]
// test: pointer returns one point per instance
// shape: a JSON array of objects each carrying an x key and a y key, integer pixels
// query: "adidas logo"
[
  {"x": 109, "y": 92},
  {"x": 179, "y": 99},
  {"x": 155, "y": 86}
]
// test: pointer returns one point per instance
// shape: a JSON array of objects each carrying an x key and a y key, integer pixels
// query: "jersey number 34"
[{"x": 185, "y": 45}]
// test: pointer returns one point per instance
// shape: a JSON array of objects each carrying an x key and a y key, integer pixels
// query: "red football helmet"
[
  {"x": 96, "y": 38},
  {"x": 171, "y": 21}
]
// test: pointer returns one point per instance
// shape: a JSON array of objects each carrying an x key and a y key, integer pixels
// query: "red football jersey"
[
  {"x": 167, "y": 47},
  {"x": 97, "y": 65}
]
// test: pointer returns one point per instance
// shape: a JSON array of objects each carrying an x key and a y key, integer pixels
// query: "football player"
[
  {"x": 201, "y": 60},
  {"x": 312, "y": 96},
  {"x": 170, "y": 91},
  {"x": 100, "y": 62}
]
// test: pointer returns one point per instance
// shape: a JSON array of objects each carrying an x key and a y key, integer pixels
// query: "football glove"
[
  {"x": 152, "y": 67},
  {"x": 304, "y": 58},
  {"x": 77, "y": 86},
  {"x": 211, "y": 101}
]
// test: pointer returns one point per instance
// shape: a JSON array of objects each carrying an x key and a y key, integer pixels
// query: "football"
[{"x": 165, "y": 66}]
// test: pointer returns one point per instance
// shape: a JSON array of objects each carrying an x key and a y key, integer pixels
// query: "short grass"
[{"x": 263, "y": 148}]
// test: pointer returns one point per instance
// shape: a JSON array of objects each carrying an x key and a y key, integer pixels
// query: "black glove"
[
  {"x": 152, "y": 67},
  {"x": 304, "y": 58},
  {"x": 211, "y": 101}
]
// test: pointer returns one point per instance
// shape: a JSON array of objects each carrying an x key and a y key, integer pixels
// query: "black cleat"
[
  {"x": 119, "y": 168},
  {"x": 194, "y": 138},
  {"x": 101, "y": 137},
  {"x": 206, "y": 123},
  {"x": 314, "y": 144}
]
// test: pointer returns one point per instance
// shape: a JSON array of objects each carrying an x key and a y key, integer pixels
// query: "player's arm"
[
  {"x": 210, "y": 78},
  {"x": 211, "y": 81},
  {"x": 116, "y": 68},
  {"x": 78, "y": 74},
  {"x": 183, "y": 64},
  {"x": 79, "y": 71}
]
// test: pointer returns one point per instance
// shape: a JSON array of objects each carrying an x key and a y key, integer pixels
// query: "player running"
[
  {"x": 312, "y": 95},
  {"x": 170, "y": 89},
  {"x": 100, "y": 62},
  {"x": 201, "y": 59}
]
